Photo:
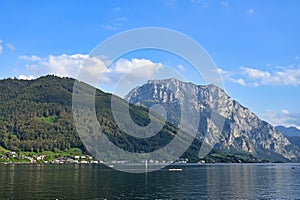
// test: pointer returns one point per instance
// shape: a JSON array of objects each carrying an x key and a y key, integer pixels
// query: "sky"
[{"x": 254, "y": 45}]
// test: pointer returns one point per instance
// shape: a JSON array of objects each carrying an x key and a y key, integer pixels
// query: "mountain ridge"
[
  {"x": 243, "y": 131},
  {"x": 288, "y": 131},
  {"x": 36, "y": 116},
  {"x": 291, "y": 133}
]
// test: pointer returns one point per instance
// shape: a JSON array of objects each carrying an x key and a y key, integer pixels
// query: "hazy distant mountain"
[
  {"x": 288, "y": 131},
  {"x": 292, "y": 134},
  {"x": 243, "y": 131}
]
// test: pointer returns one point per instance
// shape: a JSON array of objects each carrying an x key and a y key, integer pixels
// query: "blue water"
[{"x": 87, "y": 181}]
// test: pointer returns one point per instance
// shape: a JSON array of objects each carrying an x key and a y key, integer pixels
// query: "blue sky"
[{"x": 255, "y": 44}]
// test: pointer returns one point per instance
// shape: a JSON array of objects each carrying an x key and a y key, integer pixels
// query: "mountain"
[
  {"x": 36, "y": 116},
  {"x": 290, "y": 131},
  {"x": 224, "y": 121},
  {"x": 292, "y": 134}
]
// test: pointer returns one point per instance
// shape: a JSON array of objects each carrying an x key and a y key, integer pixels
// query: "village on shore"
[{"x": 14, "y": 157}]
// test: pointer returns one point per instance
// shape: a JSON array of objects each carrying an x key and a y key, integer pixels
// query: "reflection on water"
[
  {"x": 234, "y": 181},
  {"x": 253, "y": 181}
]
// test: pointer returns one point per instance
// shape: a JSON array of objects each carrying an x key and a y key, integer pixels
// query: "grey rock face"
[{"x": 222, "y": 120}]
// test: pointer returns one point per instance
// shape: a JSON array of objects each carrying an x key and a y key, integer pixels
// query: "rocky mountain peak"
[{"x": 240, "y": 131}]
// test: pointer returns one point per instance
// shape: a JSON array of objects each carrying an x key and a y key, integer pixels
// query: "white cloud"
[
  {"x": 255, "y": 73},
  {"x": 231, "y": 76},
  {"x": 10, "y": 46},
  {"x": 25, "y": 77},
  {"x": 240, "y": 81},
  {"x": 70, "y": 65},
  {"x": 30, "y": 58},
  {"x": 284, "y": 118},
  {"x": 138, "y": 68},
  {"x": 284, "y": 111},
  {"x": 278, "y": 76},
  {"x": 62, "y": 65},
  {"x": 221, "y": 71},
  {"x": 123, "y": 75},
  {"x": 250, "y": 12},
  {"x": 181, "y": 67},
  {"x": 284, "y": 77}
]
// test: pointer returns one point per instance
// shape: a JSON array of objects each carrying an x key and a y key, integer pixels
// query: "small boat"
[{"x": 175, "y": 169}]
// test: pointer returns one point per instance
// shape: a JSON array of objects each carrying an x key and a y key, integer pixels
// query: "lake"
[{"x": 94, "y": 181}]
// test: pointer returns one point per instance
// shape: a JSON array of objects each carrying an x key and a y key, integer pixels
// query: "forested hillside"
[{"x": 36, "y": 115}]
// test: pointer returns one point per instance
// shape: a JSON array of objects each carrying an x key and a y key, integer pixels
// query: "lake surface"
[{"x": 88, "y": 181}]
